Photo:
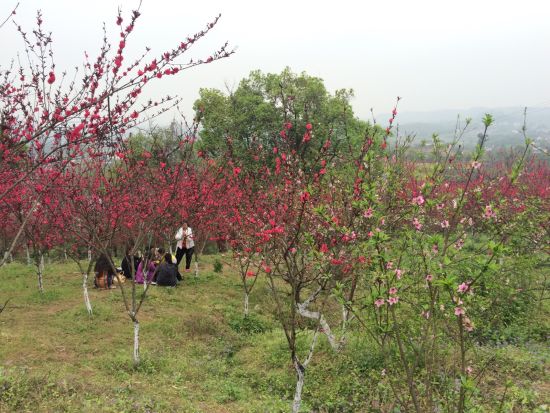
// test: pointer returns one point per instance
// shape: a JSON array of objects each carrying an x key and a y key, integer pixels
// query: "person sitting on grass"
[
  {"x": 104, "y": 272},
  {"x": 146, "y": 266},
  {"x": 126, "y": 263},
  {"x": 167, "y": 274}
]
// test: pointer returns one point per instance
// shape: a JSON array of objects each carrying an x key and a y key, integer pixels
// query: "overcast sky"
[{"x": 436, "y": 54}]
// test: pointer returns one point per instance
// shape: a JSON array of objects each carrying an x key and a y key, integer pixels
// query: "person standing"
[{"x": 186, "y": 245}]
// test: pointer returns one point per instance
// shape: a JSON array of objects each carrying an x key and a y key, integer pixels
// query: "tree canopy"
[{"x": 255, "y": 112}]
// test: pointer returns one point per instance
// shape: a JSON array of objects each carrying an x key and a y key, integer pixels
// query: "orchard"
[{"x": 332, "y": 270}]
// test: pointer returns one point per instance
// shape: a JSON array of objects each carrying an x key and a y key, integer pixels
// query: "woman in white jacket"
[{"x": 186, "y": 245}]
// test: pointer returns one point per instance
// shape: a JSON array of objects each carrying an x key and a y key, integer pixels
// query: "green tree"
[{"x": 254, "y": 114}]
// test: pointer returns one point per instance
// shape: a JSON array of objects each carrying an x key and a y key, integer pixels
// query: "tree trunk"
[
  {"x": 86, "y": 296},
  {"x": 314, "y": 315},
  {"x": 345, "y": 315},
  {"x": 136, "y": 342},
  {"x": 29, "y": 260},
  {"x": 300, "y": 372},
  {"x": 196, "y": 269},
  {"x": 246, "y": 304},
  {"x": 89, "y": 254},
  {"x": 170, "y": 248},
  {"x": 65, "y": 255},
  {"x": 40, "y": 272}
]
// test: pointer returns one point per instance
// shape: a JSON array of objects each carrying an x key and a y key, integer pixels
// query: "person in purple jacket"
[{"x": 146, "y": 268}]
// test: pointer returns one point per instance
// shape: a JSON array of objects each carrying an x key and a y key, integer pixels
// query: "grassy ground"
[{"x": 198, "y": 354}]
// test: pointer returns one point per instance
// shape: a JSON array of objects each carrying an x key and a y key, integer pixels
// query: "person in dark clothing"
[
  {"x": 167, "y": 273},
  {"x": 125, "y": 264},
  {"x": 104, "y": 272}
]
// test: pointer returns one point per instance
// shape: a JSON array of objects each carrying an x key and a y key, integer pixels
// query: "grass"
[{"x": 198, "y": 354}]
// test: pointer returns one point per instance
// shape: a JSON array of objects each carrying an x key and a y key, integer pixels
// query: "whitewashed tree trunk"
[
  {"x": 304, "y": 312},
  {"x": 246, "y": 295},
  {"x": 86, "y": 296},
  {"x": 136, "y": 342},
  {"x": 89, "y": 254},
  {"x": 170, "y": 248},
  {"x": 29, "y": 260},
  {"x": 301, "y": 373},
  {"x": 16, "y": 239},
  {"x": 40, "y": 272},
  {"x": 65, "y": 258},
  {"x": 345, "y": 315},
  {"x": 196, "y": 269}
]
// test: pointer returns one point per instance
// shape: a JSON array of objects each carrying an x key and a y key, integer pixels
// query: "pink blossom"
[
  {"x": 418, "y": 200},
  {"x": 468, "y": 325},
  {"x": 417, "y": 224},
  {"x": 459, "y": 311},
  {"x": 429, "y": 278},
  {"x": 379, "y": 303},
  {"x": 393, "y": 291},
  {"x": 393, "y": 300},
  {"x": 462, "y": 288},
  {"x": 389, "y": 265},
  {"x": 476, "y": 165},
  {"x": 445, "y": 224},
  {"x": 489, "y": 213},
  {"x": 398, "y": 273},
  {"x": 368, "y": 213}
]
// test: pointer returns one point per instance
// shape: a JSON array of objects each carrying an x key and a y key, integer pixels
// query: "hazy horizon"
[{"x": 436, "y": 56}]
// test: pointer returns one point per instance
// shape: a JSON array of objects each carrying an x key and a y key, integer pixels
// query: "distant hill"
[{"x": 505, "y": 132}]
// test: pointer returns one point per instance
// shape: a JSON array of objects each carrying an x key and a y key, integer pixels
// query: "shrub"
[{"x": 218, "y": 266}]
